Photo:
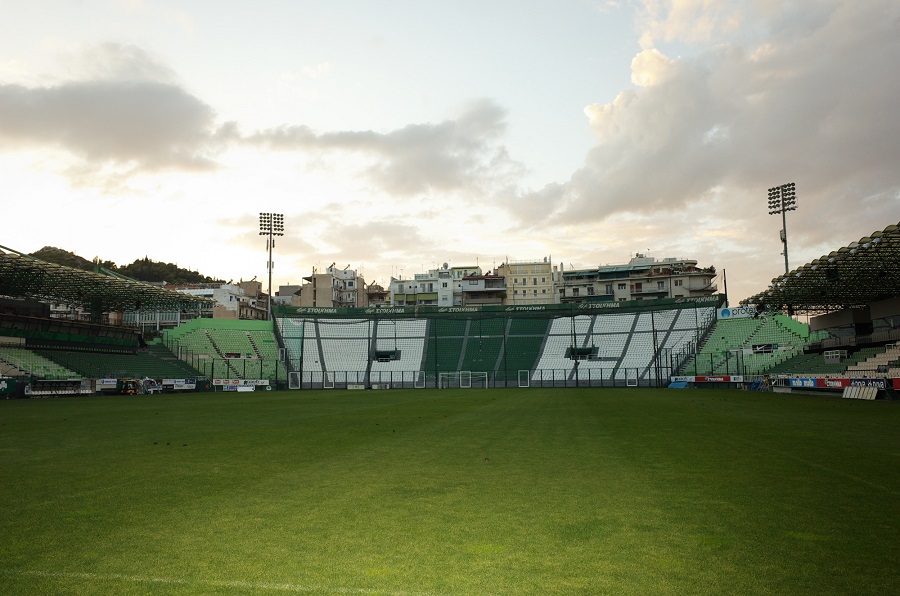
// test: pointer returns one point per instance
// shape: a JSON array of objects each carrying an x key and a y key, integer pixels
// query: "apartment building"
[
  {"x": 642, "y": 278},
  {"x": 437, "y": 287},
  {"x": 340, "y": 288},
  {"x": 530, "y": 282}
]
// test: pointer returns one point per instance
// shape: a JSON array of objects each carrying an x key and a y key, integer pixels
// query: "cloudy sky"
[{"x": 398, "y": 135}]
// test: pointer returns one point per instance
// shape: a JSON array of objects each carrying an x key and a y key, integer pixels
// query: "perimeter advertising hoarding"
[
  {"x": 877, "y": 383},
  {"x": 828, "y": 383},
  {"x": 180, "y": 384},
  {"x": 710, "y": 379},
  {"x": 240, "y": 382}
]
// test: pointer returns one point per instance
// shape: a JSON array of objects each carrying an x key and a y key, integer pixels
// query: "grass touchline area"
[{"x": 505, "y": 491}]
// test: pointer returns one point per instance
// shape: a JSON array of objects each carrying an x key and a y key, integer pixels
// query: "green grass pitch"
[{"x": 507, "y": 491}]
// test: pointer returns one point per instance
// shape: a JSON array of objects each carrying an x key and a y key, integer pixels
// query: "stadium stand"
[
  {"x": 228, "y": 349},
  {"x": 401, "y": 347},
  {"x": 745, "y": 346},
  {"x": 816, "y": 364},
  {"x": 32, "y": 364},
  {"x": 551, "y": 346},
  {"x": 876, "y": 365},
  {"x": 154, "y": 362}
]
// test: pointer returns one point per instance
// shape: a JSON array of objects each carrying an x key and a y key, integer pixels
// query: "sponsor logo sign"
[
  {"x": 683, "y": 379},
  {"x": 106, "y": 383},
  {"x": 240, "y": 382},
  {"x": 597, "y": 305},
  {"x": 738, "y": 312},
  {"x": 764, "y": 348},
  {"x": 830, "y": 383},
  {"x": 877, "y": 383},
  {"x": 388, "y": 311},
  {"x": 718, "y": 379},
  {"x": 697, "y": 299},
  {"x": 180, "y": 384}
]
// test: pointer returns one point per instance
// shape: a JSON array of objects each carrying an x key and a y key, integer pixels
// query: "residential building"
[
  {"x": 484, "y": 290},
  {"x": 377, "y": 296},
  {"x": 437, "y": 287},
  {"x": 285, "y": 294},
  {"x": 231, "y": 300},
  {"x": 341, "y": 288},
  {"x": 642, "y": 278},
  {"x": 530, "y": 282}
]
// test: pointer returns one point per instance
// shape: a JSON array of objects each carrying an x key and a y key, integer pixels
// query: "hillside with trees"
[{"x": 142, "y": 269}]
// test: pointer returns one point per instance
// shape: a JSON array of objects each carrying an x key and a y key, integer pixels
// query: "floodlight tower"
[
  {"x": 271, "y": 225},
  {"x": 781, "y": 200}
]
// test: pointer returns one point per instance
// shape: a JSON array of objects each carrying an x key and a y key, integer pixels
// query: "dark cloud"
[
  {"x": 129, "y": 117},
  {"x": 459, "y": 154}
]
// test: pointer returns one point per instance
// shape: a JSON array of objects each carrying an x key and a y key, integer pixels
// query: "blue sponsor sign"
[{"x": 738, "y": 312}]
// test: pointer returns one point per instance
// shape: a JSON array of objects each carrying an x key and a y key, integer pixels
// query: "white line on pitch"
[{"x": 274, "y": 586}]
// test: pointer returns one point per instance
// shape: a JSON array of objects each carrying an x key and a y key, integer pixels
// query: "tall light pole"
[
  {"x": 781, "y": 200},
  {"x": 271, "y": 225}
]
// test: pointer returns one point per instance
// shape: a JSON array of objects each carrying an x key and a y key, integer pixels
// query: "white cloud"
[
  {"x": 650, "y": 67},
  {"x": 689, "y": 20},
  {"x": 316, "y": 71},
  {"x": 116, "y": 62},
  {"x": 743, "y": 119}
]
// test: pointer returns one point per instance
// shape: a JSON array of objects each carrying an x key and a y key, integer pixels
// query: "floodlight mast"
[
  {"x": 781, "y": 200},
  {"x": 271, "y": 225}
]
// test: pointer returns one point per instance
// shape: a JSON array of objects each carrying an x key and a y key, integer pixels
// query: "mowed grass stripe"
[{"x": 468, "y": 491}]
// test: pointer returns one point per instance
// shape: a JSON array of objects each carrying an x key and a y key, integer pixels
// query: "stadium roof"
[
  {"x": 23, "y": 276},
  {"x": 850, "y": 277}
]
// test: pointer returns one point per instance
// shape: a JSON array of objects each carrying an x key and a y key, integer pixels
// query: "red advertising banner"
[{"x": 832, "y": 383}]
